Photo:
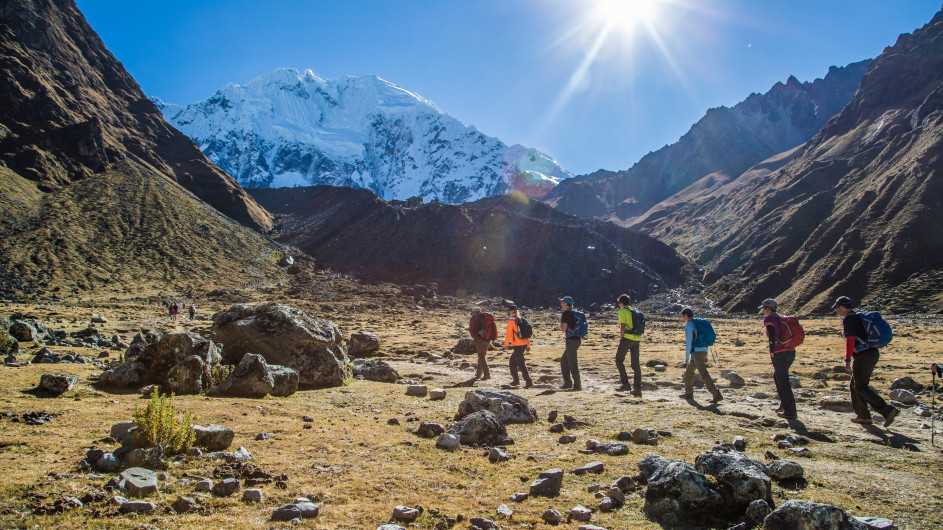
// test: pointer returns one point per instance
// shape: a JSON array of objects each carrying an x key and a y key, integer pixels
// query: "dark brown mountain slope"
[
  {"x": 854, "y": 211},
  {"x": 506, "y": 246},
  {"x": 724, "y": 143},
  {"x": 68, "y": 109}
]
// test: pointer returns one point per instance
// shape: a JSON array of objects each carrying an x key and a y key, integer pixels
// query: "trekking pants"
[
  {"x": 568, "y": 363},
  {"x": 631, "y": 346},
  {"x": 781, "y": 362},
  {"x": 699, "y": 363},
  {"x": 517, "y": 363},
  {"x": 862, "y": 395},
  {"x": 481, "y": 346}
]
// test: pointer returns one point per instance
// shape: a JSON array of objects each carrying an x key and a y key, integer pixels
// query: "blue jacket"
[{"x": 689, "y": 340}]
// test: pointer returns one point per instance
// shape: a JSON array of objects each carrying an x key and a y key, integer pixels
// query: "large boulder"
[
  {"x": 465, "y": 346},
  {"x": 125, "y": 375},
  {"x": 285, "y": 336},
  {"x": 213, "y": 437},
  {"x": 679, "y": 497},
  {"x": 374, "y": 370},
  {"x": 285, "y": 380},
  {"x": 480, "y": 428},
  {"x": 251, "y": 378},
  {"x": 23, "y": 331},
  {"x": 508, "y": 407},
  {"x": 362, "y": 344},
  {"x": 171, "y": 350},
  {"x": 744, "y": 479},
  {"x": 56, "y": 384},
  {"x": 810, "y": 516},
  {"x": 187, "y": 377},
  {"x": 907, "y": 383}
]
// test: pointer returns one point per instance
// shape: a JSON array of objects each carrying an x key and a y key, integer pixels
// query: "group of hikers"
[
  {"x": 173, "y": 310},
  {"x": 865, "y": 334}
]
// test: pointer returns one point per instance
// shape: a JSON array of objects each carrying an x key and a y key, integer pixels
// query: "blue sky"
[{"x": 594, "y": 89}]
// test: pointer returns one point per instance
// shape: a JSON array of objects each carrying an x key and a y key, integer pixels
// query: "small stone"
[
  {"x": 566, "y": 439},
  {"x": 301, "y": 510},
  {"x": 429, "y": 430},
  {"x": 552, "y": 416},
  {"x": 785, "y": 470},
  {"x": 405, "y": 514},
  {"x": 436, "y": 394},
  {"x": 592, "y": 467},
  {"x": 226, "y": 487},
  {"x": 107, "y": 463},
  {"x": 447, "y": 441},
  {"x": 498, "y": 455},
  {"x": 239, "y": 455},
  {"x": 756, "y": 512},
  {"x": 263, "y": 436},
  {"x": 138, "y": 482},
  {"x": 547, "y": 484},
  {"x": 184, "y": 504},
  {"x": 739, "y": 443},
  {"x": 607, "y": 504},
  {"x": 661, "y": 368},
  {"x": 904, "y": 396},
  {"x": 640, "y": 436},
  {"x": 592, "y": 488},
  {"x": 552, "y": 517},
  {"x": 57, "y": 384},
  {"x": 556, "y": 428},
  {"x": 483, "y": 524},
  {"x": 617, "y": 495},
  {"x": 734, "y": 378},
  {"x": 877, "y": 523},
  {"x": 794, "y": 382},
  {"x": 760, "y": 395},
  {"x": 392, "y": 421},
  {"x": 195, "y": 452},
  {"x": 138, "y": 507},
  {"x": 505, "y": 511},
  {"x": 203, "y": 485},
  {"x": 580, "y": 513},
  {"x": 417, "y": 390},
  {"x": 213, "y": 437},
  {"x": 771, "y": 455},
  {"x": 519, "y": 497},
  {"x": 252, "y": 495}
]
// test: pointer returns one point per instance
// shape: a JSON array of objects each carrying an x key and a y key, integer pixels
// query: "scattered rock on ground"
[
  {"x": 57, "y": 384},
  {"x": 375, "y": 370},
  {"x": 480, "y": 428},
  {"x": 810, "y": 516},
  {"x": 508, "y": 407},
  {"x": 362, "y": 344},
  {"x": 213, "y": 437},
  {"x": 547, "y": 484}
]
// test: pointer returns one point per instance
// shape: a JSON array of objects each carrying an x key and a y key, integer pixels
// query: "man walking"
[
  {"x": 695, "y": 356},
  {"x": 628, "y": 343},
  {"x": 568, "y": 363},
  {"x": 781, "y": 357},
  {"x": 477, "y": 328},
  {"x": 512, "y": 339},
  {"x": 860, "y": 360}
]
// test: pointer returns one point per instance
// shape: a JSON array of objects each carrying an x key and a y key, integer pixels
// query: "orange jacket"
[{"x": 512, "y": 335}]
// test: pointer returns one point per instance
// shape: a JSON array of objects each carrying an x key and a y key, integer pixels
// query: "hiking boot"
[
  {"x": 577, "y": 389},
  {"x": 566, "y": 386},
  {"x": 485, "y": 378},
  {"x": 786, "y": 416},
  {"x": 625, "y": 387},
  {"x": 862, "y": 421},
  {"x": 685, "y": 396},
  {"x": 529, "y": 384},
  {"x": 717, "y": 399},
  {"x": 514, "y": 383},
  {"x": 637, "y": 393},
  {"x": 891, "y": 416}
]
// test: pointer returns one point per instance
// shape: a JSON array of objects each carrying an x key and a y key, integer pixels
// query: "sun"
[{"x": 626, "y": 15}]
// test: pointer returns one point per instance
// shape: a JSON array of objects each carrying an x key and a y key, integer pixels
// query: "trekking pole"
[
  {"x": 714, "y": 358},
  {"x": 933, "y": 412}
]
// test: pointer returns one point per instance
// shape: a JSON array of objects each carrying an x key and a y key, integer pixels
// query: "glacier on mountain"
[{"x": 287, "y": 128}]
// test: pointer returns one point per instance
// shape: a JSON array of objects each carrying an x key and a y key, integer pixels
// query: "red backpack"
[
  {"x": 488, "y": 329},
  {"x": 791, "y": 333}
]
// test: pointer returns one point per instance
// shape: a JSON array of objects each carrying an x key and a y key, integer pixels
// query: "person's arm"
[
  {"x": 472, "y": 328},
  {"x": 622, "y": 331},
  {"x": 508, "y": 334},
  {"x": 563, "y": 326},
  {"x": 849, "y": 332},
  {"x": 688, "y": 341},
  {"x": 771, "y": 334}
]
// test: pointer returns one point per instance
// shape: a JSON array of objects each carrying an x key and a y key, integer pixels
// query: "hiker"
[
  {"x": 628, "y": 343},
  {"x": 695, "y": 356},
  {"x": 477, "y": 328},
  {"x": 192, "y": 312},
  {"x": 174, "y": 311},
  {"x": 513, "y": 339},
  {"x": 568, "y": 362},
  {"x": 860, "y": 360},
  {"x": 782, "y": 358}
]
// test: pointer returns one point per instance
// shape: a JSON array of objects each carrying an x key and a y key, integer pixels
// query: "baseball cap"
[
  {"x": 769, "y": 302},
  {"x": 843, "y": 301},
  {"x": 476, "y": 309},
  {"x": 567, "y": 299}
]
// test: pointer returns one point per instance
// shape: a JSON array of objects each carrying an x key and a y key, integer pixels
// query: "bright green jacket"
[{"x": 625, "y": 317}]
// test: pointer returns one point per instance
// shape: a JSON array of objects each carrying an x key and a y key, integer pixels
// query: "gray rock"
[
  {"x": 57, "y": 384},
  {"x": 251, "y": 378},
  {"x": 390, "y": 526},
  {"x": 661, "y": 368},
  {"x": 739, "y": 443},
  {"x": 170, "y": 350},
  {"x": 405, "y": 514},
  {"x": 580, "y": 513},
  {"x": 226, "y": 487},
  {"x": 566, "y": 439},
  {"x": 505, "y": 511},
  {"x": 203, "y": 485},
  {"x": 756, "y": 512},
  {"x": 376, "y": 370},
  {"x": 904, "y": 396},
  {"x": 678, "y": 496},
  {"x": 252, "y": 495},
  {"x": 213, "y": 437},
  {"x": 417, "y": 390},
  {"x": 184, "y": 504},
  {"x": 263, "y": 436},
  {"x": 836, "y": 403},
  {"x": 794, "y": 514},
  {"x": 612, "y": 449},
  {"x": 734, "y": 378},
  {"x": 589, "y": 527},
  {"x": 785, "y": 470},
  {"x": 429, "y": 430},
  {"x": 746, "y": 478},
  {"x": 239, "y": 455},
  {"x": 287, "y": 337},
  {"x": 651, "y": 363},
  {"x": 138, "y": 507},
  {"x": 498, "y": 455},
  {"x": 615, "y": 493},
  {"x": 520, "y": 497},
  {"x": 449, "y": 442},
  {"x": 465, "y": 346},
  {"x": 907, "y": 383},
  {"x": 195, "y": 452},
  {"x": 362, "y": 344},
  {"x": 592, "y": 467},
  {"x": 547, "y": 484},
  {"x": 23, "y": 331},
  {"x": 640, "y": 436},
  {"x": 136, "y": 457},
  {"x": 108, "y": 463},
  {"x": 552, "y": 517},
  {"x": 877, "y": 523},
  {"x": 122, "y": 431},
  {"x": 186, "y": 377},
  {"x": 508, "y": 407},
  {"x": 285, "y": 380},
  {"x": 298, "y": 510},
  {"x": 138, "y": 482},
  {"x": 480, "y": 523},
  {"x": 480, "y": 428},
  {"x": 126, "y": 375},
  {"x": 436, "y": 394}
]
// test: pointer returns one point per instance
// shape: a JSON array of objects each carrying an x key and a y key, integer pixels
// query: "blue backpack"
[
  {"x": 704, "y": 335},
  {"x": 878, "y": 330},
  {"x": 582, "y": 326}
]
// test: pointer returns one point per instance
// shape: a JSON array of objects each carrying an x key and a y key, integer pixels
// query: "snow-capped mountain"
[{"x": 286, "y": 129}]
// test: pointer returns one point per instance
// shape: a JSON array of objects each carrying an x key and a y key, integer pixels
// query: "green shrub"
[
  {"x": 6, "y": 342},
  {"x": 159, "y": 424}
]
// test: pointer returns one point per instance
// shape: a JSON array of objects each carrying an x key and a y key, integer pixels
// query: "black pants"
[
  {"x": 517, "y": 363},
  {"x": 629, "y": 345},
  {"x": 862, "y": 395},
  {"x": 781, "y": 363},
  {"x": 568, "y": 363}
]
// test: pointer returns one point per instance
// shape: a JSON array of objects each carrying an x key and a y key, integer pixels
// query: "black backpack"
[
  {"x": 638, "y": 322},
  {"x": 524, "y": 329}
]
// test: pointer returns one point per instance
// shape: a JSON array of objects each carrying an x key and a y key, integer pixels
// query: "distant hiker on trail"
[
  {"x": 174, "y": 311},
  {"x": 573, "y": 324},
  {"x": 192, "y": 312},
  {"x": 781, "y": 356},
  {"x": 482, "y": 328},
  {"x": 697, "y": 340},
  {"x": 860, "y": 360},
  {"x": 629, "y": 337},
  {"x": 515, "y": 337}
]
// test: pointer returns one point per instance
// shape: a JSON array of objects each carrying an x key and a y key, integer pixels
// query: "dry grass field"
[{"x": 358, "y": 467}]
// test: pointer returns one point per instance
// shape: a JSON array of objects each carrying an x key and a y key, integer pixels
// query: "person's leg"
[
  {"x": 565, "y": 365},
  {"x": 863, "y": 367},
  {"x": 481, "y": 346},
  {"x": 700, "y": 360},
  {"x": 636, "y": 367},
  {"x": 689, "y": 378},
  {"x": 782, "y": 361},
  {"x": 521, "y": 364},
  {"x": 571, "y": 348},
  {"x": 620, "y": 361}
]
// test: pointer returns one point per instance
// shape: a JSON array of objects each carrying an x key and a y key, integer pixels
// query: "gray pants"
[
  {"x": 481, "y": 346},
  {"x": 699, "y": 363},
  {"x": 568, "y": 363},
  {"x": 629, "y": 346}
]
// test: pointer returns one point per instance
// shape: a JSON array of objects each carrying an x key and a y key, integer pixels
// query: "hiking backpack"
[
  {"x": 488, "y": 329},
  {"x": 879, "y": 331},
  {"x": 704, "y": 335},
  {"x": 791, "y": 333},
  {"x": 638, "y": 322},
  {"x": 524, "y": 329},
  {"x": 582, "y": 326}
]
